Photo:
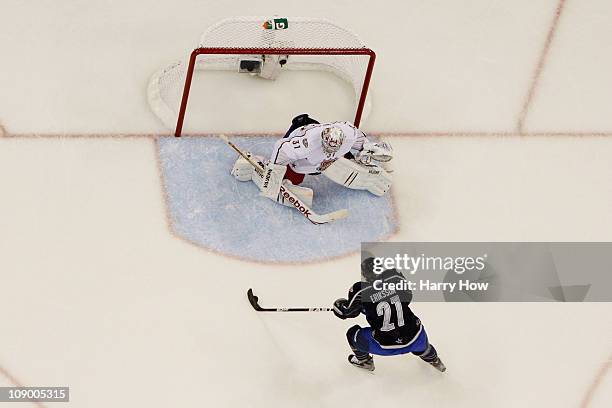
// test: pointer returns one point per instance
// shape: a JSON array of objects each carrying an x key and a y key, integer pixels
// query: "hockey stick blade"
[
  {"x": 254, "y": 301},
  {"x": 330, "y": 217}
]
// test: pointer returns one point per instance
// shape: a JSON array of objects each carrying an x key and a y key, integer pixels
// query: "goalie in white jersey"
[{"x": 338, "y": 150}]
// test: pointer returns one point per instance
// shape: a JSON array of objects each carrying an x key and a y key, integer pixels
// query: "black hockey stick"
[{"x": 254, "y": 299}]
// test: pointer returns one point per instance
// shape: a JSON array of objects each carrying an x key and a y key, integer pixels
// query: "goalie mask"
[{"x": 332, "y": 139}]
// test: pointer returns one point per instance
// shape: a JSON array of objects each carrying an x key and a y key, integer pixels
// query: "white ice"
[{"x": 100, "y": 296}]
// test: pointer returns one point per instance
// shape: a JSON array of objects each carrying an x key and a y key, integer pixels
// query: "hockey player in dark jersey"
[{"x": 393, "y": 330}]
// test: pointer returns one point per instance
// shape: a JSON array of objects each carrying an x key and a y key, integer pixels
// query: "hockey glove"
[
  {"x": 382, "y": 152},
  {"x": 340, "y": 308}
]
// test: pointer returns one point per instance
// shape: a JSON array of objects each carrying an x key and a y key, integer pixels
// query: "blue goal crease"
[{"x": 212, "y": 209}]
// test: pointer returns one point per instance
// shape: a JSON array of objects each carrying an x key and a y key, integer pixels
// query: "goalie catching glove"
[{"x": 381, "y": 152}]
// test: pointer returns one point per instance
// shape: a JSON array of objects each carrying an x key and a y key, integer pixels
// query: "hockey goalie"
[{"x": 337, "y": 150}]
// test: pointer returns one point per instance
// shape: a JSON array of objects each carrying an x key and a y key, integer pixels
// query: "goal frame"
[{"x": 275, "y": 51}]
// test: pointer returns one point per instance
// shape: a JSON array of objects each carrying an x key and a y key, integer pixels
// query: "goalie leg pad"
[
  {"x": 359, "y": 177},
  {"x": 270, "y": 182},
  {"x": 244, "y": 171},
  {"x": 303, "y": 193}
]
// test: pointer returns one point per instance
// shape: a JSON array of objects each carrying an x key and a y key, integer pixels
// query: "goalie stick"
[
  {"x": 312, "y": 216},
  {"x": 254, "y": 302}
]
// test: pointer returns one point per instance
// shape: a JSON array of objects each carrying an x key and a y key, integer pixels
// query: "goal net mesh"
[{"x": 165, "y": 89}]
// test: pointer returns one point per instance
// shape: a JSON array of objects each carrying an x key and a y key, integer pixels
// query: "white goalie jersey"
[
  {"x": 303, "y": 152},
  {"x": 318, "y": 149}
]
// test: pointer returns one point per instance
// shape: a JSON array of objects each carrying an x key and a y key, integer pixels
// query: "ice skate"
[
  {"x": 438, "y": 365},
  {"x": 367, "y": 364}
]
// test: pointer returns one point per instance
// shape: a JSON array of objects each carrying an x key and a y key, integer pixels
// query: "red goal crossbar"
[{"x": 277, "y": 51}]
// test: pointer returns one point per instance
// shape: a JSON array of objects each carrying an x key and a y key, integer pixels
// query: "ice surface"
[
  {"x": 99, "y": 295},
  {"x": 211, "y": 208}
]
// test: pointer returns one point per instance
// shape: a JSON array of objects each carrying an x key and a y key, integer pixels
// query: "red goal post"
[
  {"x": 278, "y": 51},
  {"x": 265, "y": 47}
]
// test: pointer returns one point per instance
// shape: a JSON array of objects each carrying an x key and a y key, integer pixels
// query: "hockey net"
[{"x": 265, "y": 47}]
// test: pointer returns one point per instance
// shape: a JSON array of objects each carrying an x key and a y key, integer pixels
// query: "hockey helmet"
[{"x": 367, "y": 270}]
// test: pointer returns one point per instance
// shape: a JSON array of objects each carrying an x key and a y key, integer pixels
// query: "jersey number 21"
[{"x": 384, "y": 309}]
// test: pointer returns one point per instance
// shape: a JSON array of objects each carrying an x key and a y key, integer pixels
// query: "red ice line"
[
  {"x": 535, "y": 78},
  {"x": 4, "y": 372}
]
